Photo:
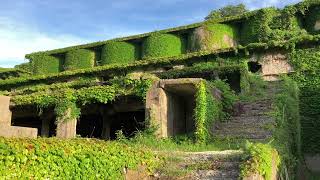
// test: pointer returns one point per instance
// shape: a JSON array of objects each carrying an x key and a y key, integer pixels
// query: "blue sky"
[{"x": 34, "y": 25}]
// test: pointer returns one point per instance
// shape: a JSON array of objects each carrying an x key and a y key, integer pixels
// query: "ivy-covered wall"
[
  {"x": 45, "y": 64},
  {"x": 119, "y": 52},
  {"x": 79, "y": 59},
  {"x": 307, "y": 63},
  {"x": 163, "y": 45},
  {"x": 255, "y": 29},
  {"x": 207, "y": 111},
  {"x": 212, "y": 36}
]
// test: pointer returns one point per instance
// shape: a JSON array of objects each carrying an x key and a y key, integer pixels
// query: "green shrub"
[
  {"x": 163, "y": 45},
  {"x": 70, "y": 159},
  {"x": 24, "y": 67},
  {"x": 79, "y": 59},
  {"x": 260, "y": 160},
  {"x": 229, "y": 97},
  {"x": 213, "y": 36},
  {"x": 118, "y": 52},
  {"x": 45, "y": 64},
  {"x": 313, "y": 17}
]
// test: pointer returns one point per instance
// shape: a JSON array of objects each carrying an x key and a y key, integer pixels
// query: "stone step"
[
  {"x": 243, "y": 124},
  {"x": 256, "y": 107},
  {"x": 204, "y": 165},
  {"x": 251, "y": 119},
  {"x": 215, "y": 175},
  {"x": 249, "y": 136},
  {"x": 236, "y": 131},
  {"x": 195, "y": 157},
  {"x": 214, "y": 165}
]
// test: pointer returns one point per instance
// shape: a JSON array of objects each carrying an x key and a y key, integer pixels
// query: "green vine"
[{"x": 207, "y": 111}]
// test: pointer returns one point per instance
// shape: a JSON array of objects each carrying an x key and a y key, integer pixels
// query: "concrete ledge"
[{"x": 18, "y": 132}]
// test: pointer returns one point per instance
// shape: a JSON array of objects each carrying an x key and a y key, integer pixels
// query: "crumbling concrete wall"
[
  {"x": 273, "y": 64},
  {"x": 6, "y": 130},
  {"x": 170, "y": 105}
]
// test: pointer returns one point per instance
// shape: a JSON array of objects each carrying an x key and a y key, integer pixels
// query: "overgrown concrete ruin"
[{"x": 155, "y": 80}]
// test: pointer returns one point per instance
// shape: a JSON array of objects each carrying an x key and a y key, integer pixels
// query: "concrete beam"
[{"x": 18, "y": 132}]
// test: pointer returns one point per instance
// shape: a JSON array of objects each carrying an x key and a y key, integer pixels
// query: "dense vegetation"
[
  {"x": 163, "y": 45},
  {"x": 70, "y": 159},
  {"x": 110, "y": 53}
]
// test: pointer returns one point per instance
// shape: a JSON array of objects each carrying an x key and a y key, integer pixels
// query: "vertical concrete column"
[
  {"x": 66, "y": 128},
  {"x": 106, "y": 123},
  {"x": 156, "y": 110},
  {"x": 45, "y": 127},
  {"x": 5, "y": 113}
]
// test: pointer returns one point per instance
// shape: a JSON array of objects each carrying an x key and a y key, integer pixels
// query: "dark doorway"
[
  {"x": 128, "y": 122},
  {"x": 90, "y": 125},
  {"x": 30, "y": 116},
  {"x": 254, "y": 67}
]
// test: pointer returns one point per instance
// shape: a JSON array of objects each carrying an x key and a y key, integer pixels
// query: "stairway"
[
  {"x": 220, "y": 165},
  {"x": 252, "y": 120}
]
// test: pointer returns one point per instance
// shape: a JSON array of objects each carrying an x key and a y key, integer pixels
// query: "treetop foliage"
[{"x": 227, "y": 11}]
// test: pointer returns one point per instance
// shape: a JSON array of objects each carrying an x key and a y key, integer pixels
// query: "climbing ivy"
[
  {"x": 260, "y": 159},
  {"x": 208, "y": 110},
  {"x": 306, "y": 63},
  {"x": 287, "y": 132},
  {"x": 68, "y": 100}
]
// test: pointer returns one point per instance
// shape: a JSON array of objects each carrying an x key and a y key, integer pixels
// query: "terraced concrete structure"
[{"x": 158, "y": 78}]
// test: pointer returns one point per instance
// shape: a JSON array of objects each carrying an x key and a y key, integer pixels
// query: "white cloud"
[
  {"x": 17, "y": 39},
  {"x": 256, "y": 4}
]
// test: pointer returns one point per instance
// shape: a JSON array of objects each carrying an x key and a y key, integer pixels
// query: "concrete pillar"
[
  {"x": 106, "y": 126},
  {"x": 156, "y": 110},
  {"x": 5, "y": 113},
  {"x": 66, "y": 128},
  {"x": 45, "y": 128}
]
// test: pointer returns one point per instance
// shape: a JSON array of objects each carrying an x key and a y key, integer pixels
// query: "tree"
[{"x": 230, "y": 10}]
